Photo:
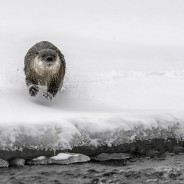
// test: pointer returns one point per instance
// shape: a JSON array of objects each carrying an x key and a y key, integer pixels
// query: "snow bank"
[{"x": 124, "y": 78}]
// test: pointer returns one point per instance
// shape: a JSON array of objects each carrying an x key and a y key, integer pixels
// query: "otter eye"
[{"x": 36, "y": 53}]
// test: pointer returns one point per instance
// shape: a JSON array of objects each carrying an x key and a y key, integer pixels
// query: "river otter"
[{"x": 44, "y": 66}]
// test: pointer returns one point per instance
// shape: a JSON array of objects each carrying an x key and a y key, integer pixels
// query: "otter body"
[{"x": 44, "y": 66}]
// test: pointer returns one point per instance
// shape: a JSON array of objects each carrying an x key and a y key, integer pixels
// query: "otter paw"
[
  {"x": 33, "y": 90},
  {"x": 48, "y": 96}
]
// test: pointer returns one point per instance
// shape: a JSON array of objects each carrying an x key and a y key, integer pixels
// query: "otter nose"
[{"x": 49, "y": 58}]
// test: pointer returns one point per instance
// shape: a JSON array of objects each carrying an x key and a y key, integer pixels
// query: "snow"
[
  {"x": 124, "y": 64},
  {"x": 63, "y": 156},
  {"x": 40, "y": 158}
]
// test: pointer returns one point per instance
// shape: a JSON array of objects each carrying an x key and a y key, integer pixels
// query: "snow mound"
[{"x": 124, "y": 73}]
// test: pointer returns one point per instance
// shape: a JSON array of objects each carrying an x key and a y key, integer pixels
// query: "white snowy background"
[{"x": 124, "y": 59}]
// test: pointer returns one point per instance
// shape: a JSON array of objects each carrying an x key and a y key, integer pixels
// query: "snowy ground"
[{"x": 124, "y": 69}]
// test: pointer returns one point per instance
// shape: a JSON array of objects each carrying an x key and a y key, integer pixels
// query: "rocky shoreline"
[
  {"x": 155, "y": 148},
  {"x": 142, "y": 161},
  {"x": 107, "y": 168}
]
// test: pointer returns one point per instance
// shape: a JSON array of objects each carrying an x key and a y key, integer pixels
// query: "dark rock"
[
  {"x": 167, "y": 172},
  {"x": 95, "y": 181},
  {"x": 159, "y": 145},
  {"x": 17, "y": 162},
  {"x": 171, "y": 142},
  {"x": 152, "y": 153},
  {"x": 178, "y": 149},
  {"x": 68, "y": 158},
  {"x": 3, "y": 163},
  {"x": 131, "y": 174},
  {"x": 42, "y": 160},
  {"x": 113, "y": 156},
  {"x": 25, "y": 153}
]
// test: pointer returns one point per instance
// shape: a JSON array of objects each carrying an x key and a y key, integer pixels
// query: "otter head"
[
  {"x": 46, "y": 63},
  {"x": 46, "y": 57}
]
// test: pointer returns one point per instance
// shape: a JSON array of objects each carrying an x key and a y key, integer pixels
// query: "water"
[
  {"x": 70, "y": 174},
  {"x": 169, "y": 169}
]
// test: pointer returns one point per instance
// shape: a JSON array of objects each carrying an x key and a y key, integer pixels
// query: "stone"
[
  {"x": 42, "y": 160},
  {"x": 152, "y": 153},
  {"x": 178, "y": 149},
  {"x": 167, "y": 172},
  {"x": 3, "y": 163},
  {"x": 17, "y": 162},
  {"x": 111, "y": 156},
  {"x": 68, "y": 158},
  {"x": 155, "y": 180}
]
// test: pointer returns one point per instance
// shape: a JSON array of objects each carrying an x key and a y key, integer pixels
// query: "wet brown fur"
[{"x": 53, "y": 80}]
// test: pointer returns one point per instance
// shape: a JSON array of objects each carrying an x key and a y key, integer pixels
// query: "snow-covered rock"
[
  {"x": 68, "y": 158},
  {"x": 42, "y": 160},
  {"x": 3, "y": 163}
]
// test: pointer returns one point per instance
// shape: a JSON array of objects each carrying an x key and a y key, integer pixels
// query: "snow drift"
[{"x": 124, "y": 79}]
